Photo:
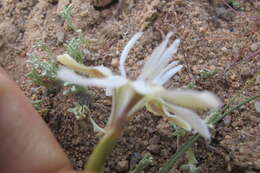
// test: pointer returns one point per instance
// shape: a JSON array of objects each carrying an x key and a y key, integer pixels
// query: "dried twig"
[
  {"x": 249, "y": 57},
  {"x": 229, "y": 6}
]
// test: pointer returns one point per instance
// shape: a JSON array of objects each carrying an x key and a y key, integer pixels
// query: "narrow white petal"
[
  {"x": 154, "y": 59},
  {"x": 104, "y": 70},
  {"x": 192, "y": 118},
  {"x": 142, "y": 87},
  {"x": 110, "y": 82},
  {"x": 176, "y": 119},
  {"x": 169, "y": 66},
  {"x": 123, "y": 97},
  {"x": 155, "y": 106},
  {"x": 109, "y": 91},
  {"x": 126, "y": 101},
  {"x": 66, "y": 59},
  {"x": 168, "y": 54},
  {"x": 160, "y": 80},
  {"x": 190, "y": 98},
  {"x": 125, "y": 52},
  {"x": 97, "y": 72}
]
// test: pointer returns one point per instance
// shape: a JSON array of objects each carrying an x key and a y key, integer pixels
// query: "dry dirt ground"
[{"x": 215, "y": 36}]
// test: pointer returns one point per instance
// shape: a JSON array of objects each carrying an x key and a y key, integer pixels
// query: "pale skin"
[{"x": 26, "y": 143}]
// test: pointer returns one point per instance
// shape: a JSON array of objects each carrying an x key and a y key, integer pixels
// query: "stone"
[
  {"x": 257, "y": 106},
  {"x": 164, "y": 128},
  {"x": 224, "y": 49},
  {"x": 101, "y": 3},
  {"x": 122, "y": 166},
  {"x": 60, "y": 37},
  {"x": 254, "y": 46},
  {"x": 53, "y": 1},
  {"x": 135, "y": 158},
  {"x": 225, "y": 14},
  {"x": 8, "y": 33},
  {"x": 227, "y": 120},
  {"x": 114, "y": 62},
  {"x": 154, "y": 140},
  {"x": 154, "y": 148}
]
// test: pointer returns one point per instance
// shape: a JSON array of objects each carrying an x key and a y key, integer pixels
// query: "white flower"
[{"x": 130, "y": 96}]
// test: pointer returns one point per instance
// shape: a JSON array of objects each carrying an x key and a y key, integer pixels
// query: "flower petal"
[
  {"x": 98, "y": 72},
  {"x": 168, "y": 67},
  {"x": 126, "y": 101},
  {"x": 105, "y": 72},
  {"x": 177, "y": 120},
  {"x": 125, "y": 52},
  {"x": 168, "y": 54},
  {"x": 109, "y": 91},
  {"x": 157, "y": 108},
  {"x": 110, "y": 82},
  {"x": 123, "y": 96},
  {"x": 142, "y": 87},
  {"x": 190, "y": 98},
  {"x": 161, "y": 79},
  {"x": 152, "y": 62},
  {"x": 190, "y": 117}
]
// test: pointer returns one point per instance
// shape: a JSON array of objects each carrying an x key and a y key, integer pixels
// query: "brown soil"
[{"x": 214, "y": 37}]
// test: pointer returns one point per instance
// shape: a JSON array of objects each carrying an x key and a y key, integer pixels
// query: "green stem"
[
  {"x": 146, "y": 161},
  {"x": 179, "y": 153},
  {"x": 221, "y": 116},
  {"x": 216, "y": 118},
  {"x": 98, "y": 157},
  {"x": 108, "y": 141}
]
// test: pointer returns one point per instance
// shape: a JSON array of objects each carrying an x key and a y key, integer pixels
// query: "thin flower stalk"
[{"x": 147, "y": 90}]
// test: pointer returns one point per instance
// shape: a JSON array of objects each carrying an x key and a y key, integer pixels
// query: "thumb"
[{"x": 27, "y": 145}]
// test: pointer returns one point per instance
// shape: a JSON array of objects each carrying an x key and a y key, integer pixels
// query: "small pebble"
[
  {"x": 135, "y": 158},
  {"x": 60, "y": 37},
  {"x": 114, "y": 62},
  {"x": 122, "y": 166},
  {"x": 154, "y": 148},
  {"x": 154, "y": 140},
  {"x": 257, "y": 106},
  {"x": 84, "y": 13},
  {"x": 101, "y": 3},
  {"x": 224, "y": 49},
  {"x": 235, "y": 84},
  {"x": 227, "y": 120},
  {"x": 53, "y": 1},
  {"x": 225, "y": 14},
  {"x": 164, "y": 128},
  {"x": 254, "y": 46},
  {"x": 233, "y": 77}
]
